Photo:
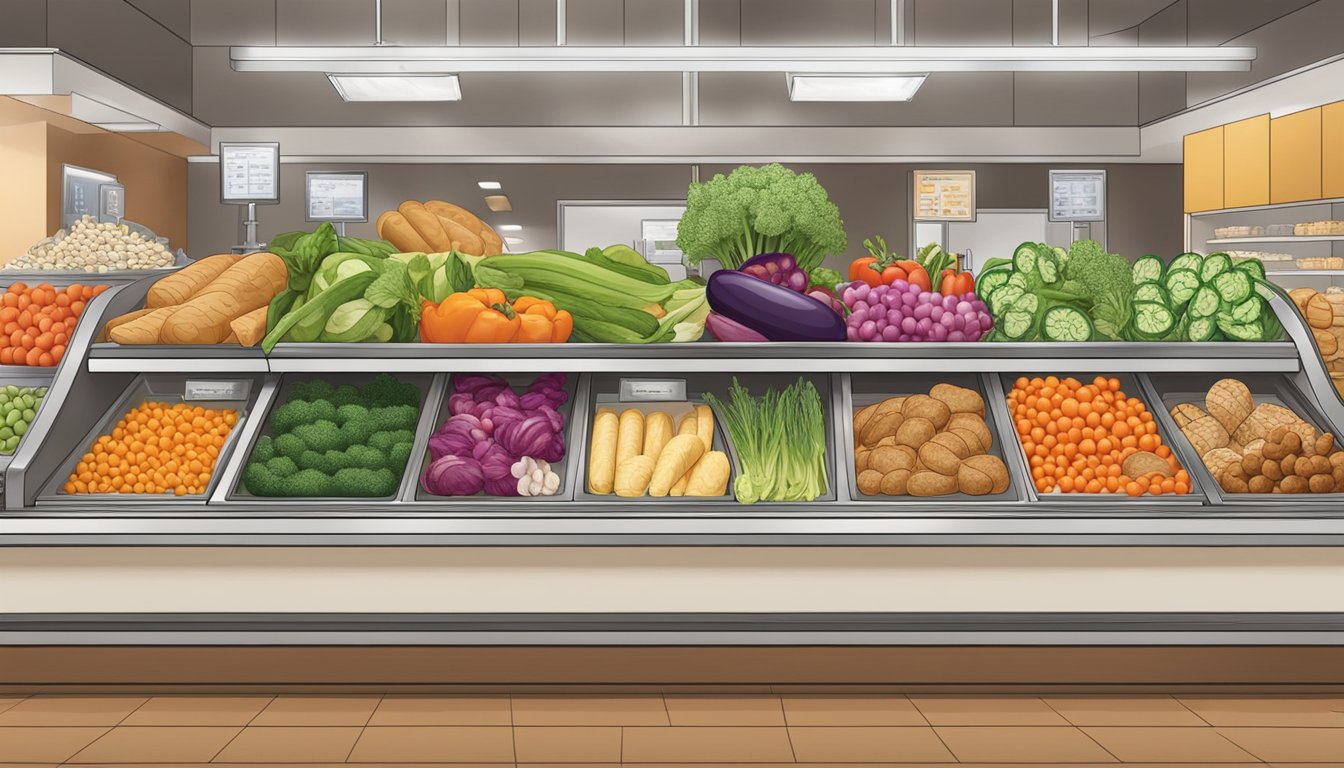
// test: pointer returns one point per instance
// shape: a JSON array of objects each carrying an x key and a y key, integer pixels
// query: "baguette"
[
  {"x": 244, "y": 287},
  {"x": 429, "y": 226},
  {"x": 180, "y": 286},
  {"x": 249, "y": 329},
  {"x": 394, "y": 228},
  {"x": 145, "y": 329},
  {"x": 122, "y": 320}
]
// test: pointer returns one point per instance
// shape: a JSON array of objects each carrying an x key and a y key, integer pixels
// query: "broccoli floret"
[
  {"x": 394, "y": 417},
  {"x": 298, "y": 412},
  {"x": 282, "y": 466},
  {"x": 365, "y": 482},
  {"x": 264, "y": 450},
  {"x": 383, "y": 442},
  {"x": 290, "y": 445},
  {"x": 1107, "y": 280},
  {"x": 308, "y": 482},
  {"x": 386, "y": 390},
  {"x": 320, "y": 436},
  {"x": 260, "y": 481},
  {"x": 350, "y": 412},
  {"x": 364, "y": 457},
  {"x": 345, "y": 395},
  {"x": 398, "y": 456},
  {"x": 754, "y": 210},
  {"x": 312, "y": 389},
  {"x": 357, "y": 432}
]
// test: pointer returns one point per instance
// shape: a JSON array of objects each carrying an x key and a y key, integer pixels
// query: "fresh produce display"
[
  {"x": 1263, "y": 447},
  {"x": 1091, "y": 438},
  {"x": 905, "y": 312},
  {"x": 336, "y": 441},
  {"x": 498, "y": 441},
  {"x": 769, "y": 311},
  {"x": 779, "y": 440},
  {"x": 754, "y": 210},
  {"x": 90, "y": 246},
  {"x": 931, "y": 444},
  {"x": 1324, "y": 313},
  {"x": 614, "y": 294},
  {"x": 1087, "y": 294},
  {"x": 437, "y": 227},
  {"x": 217, "y": 300},
  {"x": 39, "y": 320},
  {"x": 485, "y": 316},
  {"x": 18, "y": 408},
  {"x": 638, "y": 453},
  {"x": 156, "y": 448}
]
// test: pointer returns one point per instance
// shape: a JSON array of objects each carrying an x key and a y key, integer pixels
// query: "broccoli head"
[
  {"x": 398, "y": 456},
  {"x": 365, "y": 482},
  {"x": 1107, "y": 280},
  {"x": 328, "y": 463},
  {"x": 282, "y": 466},
  {"x": 365, "y": 457},
  {"x": 350, "y": 412},
  {"x": 385, "y": 390},
  {"x": 320, "y": 436},
  {"x": 308, "y": 483},
  {"x": 394, "y": 417},
  {"x": 345, "y": 395},
  {"x": 311, "y": 389},
  {"x": 264, "y": 450},
  {"x": 385, "y": 441},
  {"x": 298, "y": 412},
  {"x": 260, "y": 481},
  {"x": 357, "y": 431},
  {"x": 290, "y": 445},
  {"x": 758, "y": 210}
]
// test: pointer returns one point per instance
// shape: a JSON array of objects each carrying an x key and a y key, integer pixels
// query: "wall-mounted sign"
[
  {"x": 944, "y": 195},
  {"x": 80, "y": 193},
  {"x": 249, "y": 172},
  {"x": 111, "y": 203},
  {"x": 1077, "y": 195},
  {"x": 337, "y": 195}
]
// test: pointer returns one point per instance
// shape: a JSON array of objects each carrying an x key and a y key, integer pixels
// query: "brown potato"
[
  {"x": 862, "y": 417},
  {"x": 1235, "y": 470},
  {"x": 942, "y": 455},
  {"x": 928, "y": 483},
  {"x": 888, "y": 440},
  {"x": 954, "y": 443},
  {"x": 1288, "y": 466},
  {"x": 1233, "y": 484},
  {"x": 1322, "y": 483},
  {"x": 971, "y": 439},
  {"x": 896, "y": 483},
  {"x": 1275, "y": 450},
  {"x": 1319, "y": 465},
  {"x": 991, "y": 468},
  {"x": 861, "y": 459},
  {"x": 1338, "y": 474},
  {"x": 972, "y": 423},
  {"x": 1250, "y": 463},
  {"x": 1337, "y": 459},
  {"x": 870, "y": 482},
  {"x": 959, "y": 399},
  {"x": 890, "y": 405},
  {"x": 880, "y": 426},
  {"x": 923, "y": 406},
  {"x": 1325, "y": 444},
  {"x": 890, "y": 458},
  {"x": 1294, "y": 484},
  {"x": 1271, "y": 469},
  {"x": 1260, "y": 484},
  {"x": 915, "y": 431}
]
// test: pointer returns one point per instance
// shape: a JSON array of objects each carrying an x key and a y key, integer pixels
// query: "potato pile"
[
  {"x": 1263, "y": 448},
  {"x": 930, "y": 444},
  {"x": 1324, "y": 313},
  {"x": 633, "y": 454}
]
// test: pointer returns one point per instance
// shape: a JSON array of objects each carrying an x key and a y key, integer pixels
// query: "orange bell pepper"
[{"x": 485, "y": 316}]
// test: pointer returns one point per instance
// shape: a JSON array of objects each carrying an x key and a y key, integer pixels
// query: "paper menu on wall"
[
  {"x": 249, "y": 172},
  {"x": 944, "y": 195},
  {"x": 1077, "y": 195}
]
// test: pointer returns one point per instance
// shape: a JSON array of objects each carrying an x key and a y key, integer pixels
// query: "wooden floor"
[{"x": 684, "y": 730}]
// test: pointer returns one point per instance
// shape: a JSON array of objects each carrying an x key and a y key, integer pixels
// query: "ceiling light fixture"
[
  {"x": 876, "y": 60},
  {"x": 498, "y": 203},
  {"x": 138, "y": 126},
  {"x": 514, "y": 240},
  {"x": 510, "y": 228},
  {"x": 853, "y": 87},
  {"x": 383, "y": 87},
  {"x": 489, "y": 184}
]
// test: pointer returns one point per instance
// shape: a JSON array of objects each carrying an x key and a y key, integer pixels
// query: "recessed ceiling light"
[
  {"x": 498, "y": 203},
  {"x": 489, "y": 184},
  {"x": 131, "y": 127},
  {"x": 397, "y": 87},
  {"x": 514, "y": 240},
  {"x": 854, "y": 87},
  {"x": 510, "y": 228}
]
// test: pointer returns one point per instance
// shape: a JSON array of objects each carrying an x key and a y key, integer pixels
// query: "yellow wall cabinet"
[
  {"x": 1332, "y": 150},
  {"x": 1246, "y": 162},
  {"x": 1204, "y": 170},
  {"x": 1295, "y": 157}
]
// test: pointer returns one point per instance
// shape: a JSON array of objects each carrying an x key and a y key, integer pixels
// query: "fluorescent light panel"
[
  {"x": 514, "y": 240},
  {"x": 489, "y": 185},
  {"x": 854, "y": 87},
  {"x": 131, "y": 127},
  {"x": 877, "y": 60},
  {"x": 510, "y": 228},
  {"x": 377, "y": 87}
]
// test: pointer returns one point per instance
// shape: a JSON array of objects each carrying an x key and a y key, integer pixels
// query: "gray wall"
[{"x": 1145, "y": 200}]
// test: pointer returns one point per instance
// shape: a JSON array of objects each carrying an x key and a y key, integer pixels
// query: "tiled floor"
[{"x": 650, "y": 730}]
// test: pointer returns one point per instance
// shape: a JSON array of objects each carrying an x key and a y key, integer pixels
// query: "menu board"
[
  {"x": 944, "y": 195},
  {"x": 1077, "y": 195},
  {"x": 249, "y": 172},
  {"x": 337, "y": 195}
]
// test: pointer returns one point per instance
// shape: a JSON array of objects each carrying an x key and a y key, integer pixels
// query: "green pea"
[
  {"x": 12, "y": 417},
  {"x": 11, "y": 444},
  {"x": 19, "y": 429},
  {"x": 29, "y": 414}
]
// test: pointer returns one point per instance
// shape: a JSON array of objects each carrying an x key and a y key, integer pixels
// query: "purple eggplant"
[
  {"x": 723, "y": 329},
  {"x": 773, "y": 311}
]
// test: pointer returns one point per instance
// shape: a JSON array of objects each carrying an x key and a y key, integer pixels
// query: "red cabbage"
[
  {"x": 453, "y": 475},
  {"x": 534, "y": 436}
]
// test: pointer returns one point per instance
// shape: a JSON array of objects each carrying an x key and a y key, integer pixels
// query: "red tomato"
[
  {"x": 862, "y": 269},
  {"x": 893, "y": 273},
  {"x": 921, "y": 278}
]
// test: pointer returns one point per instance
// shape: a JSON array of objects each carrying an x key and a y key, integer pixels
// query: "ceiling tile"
[
  {"x": 324, "y": 22},
  {"x": 416, "y": 22},
  {"x": 233, "y": 22},
  {"x": 963, "y": 22}
]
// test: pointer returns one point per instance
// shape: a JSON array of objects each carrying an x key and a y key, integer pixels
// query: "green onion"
[{"x": 779, "y": 441}]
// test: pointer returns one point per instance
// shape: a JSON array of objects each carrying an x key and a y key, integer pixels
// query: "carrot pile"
[
  {"x": 1080, "y": 437},
  {"x": 155, "y": 448},
  {"x": 37, "y": 322}
]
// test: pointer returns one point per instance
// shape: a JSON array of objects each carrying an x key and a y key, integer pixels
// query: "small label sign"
[
  {"x": 652, "y": 390},
  {"x": 216, "y": 390}
]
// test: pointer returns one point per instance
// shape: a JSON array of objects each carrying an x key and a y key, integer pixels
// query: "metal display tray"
[
  {"x": 565, "y": 468},
  {"x": 166, "y": 388},
  {"x": 1131, "y": 385},
  {"x": 237, "y": 492},
  {"x": 1174, "y": 389},
  {"x": 39, "y": 377},
  {"x": 866, "y": 389}
]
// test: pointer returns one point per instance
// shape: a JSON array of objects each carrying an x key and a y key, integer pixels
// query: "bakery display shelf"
[{"x": 1276, "y": 239}]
